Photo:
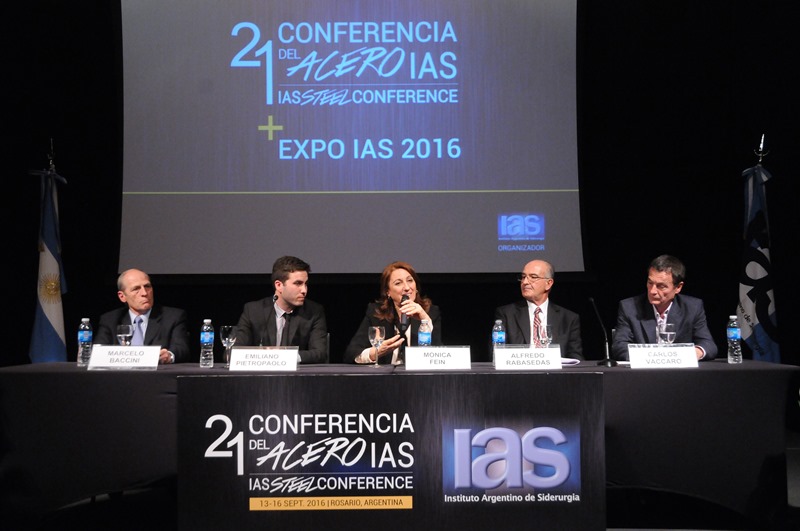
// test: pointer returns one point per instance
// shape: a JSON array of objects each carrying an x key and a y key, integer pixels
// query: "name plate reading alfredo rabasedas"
[{"x": 527, "y": 358}]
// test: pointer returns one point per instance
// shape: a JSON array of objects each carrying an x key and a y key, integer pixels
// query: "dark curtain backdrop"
[{"x": 673, "y": 99}]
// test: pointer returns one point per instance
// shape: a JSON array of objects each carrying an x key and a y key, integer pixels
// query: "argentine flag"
[{"x": 47, "y": 341}]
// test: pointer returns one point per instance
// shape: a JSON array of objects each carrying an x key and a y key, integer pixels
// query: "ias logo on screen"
[{"x": 520, "y": 226}]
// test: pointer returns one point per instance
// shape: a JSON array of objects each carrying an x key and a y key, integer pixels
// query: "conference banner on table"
[
  {"x": 459, "y": 112},
  {"x": 339, "y": 450}
]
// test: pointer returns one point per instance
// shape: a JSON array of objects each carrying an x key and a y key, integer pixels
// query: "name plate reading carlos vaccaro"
[
  {"x": 675, "y": 356},
  {"x": 264, "y": 359},
  {"x": 437, "y": 358}
]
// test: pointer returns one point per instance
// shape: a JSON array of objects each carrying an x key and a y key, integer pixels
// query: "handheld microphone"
[
  {"x": 608, "y": 362},
  {"x": 403, "y": 317}
]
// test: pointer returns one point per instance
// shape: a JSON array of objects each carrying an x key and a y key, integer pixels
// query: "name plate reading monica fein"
[{"x": 437, "y": 358}]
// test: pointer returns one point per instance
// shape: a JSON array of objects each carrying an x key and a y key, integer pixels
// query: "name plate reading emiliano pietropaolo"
[
  {"x": 526, "y": 358},
  {"x": 437, "y": 358},
  {"x": 124, "y": 357},
  {"x": 653, "y": 356},
  {"x": 264, "y": 359}
]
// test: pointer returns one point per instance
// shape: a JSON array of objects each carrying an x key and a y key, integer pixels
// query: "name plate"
[
  {"x": 124, "y": 357},
  {"x": 437, "y": 358},
  {"x": 264, "y": 358},
  {"x": 650, "y": 356},
  {"x": 526, "y": 358}
]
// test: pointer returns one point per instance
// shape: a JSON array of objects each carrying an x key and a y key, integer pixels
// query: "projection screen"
[{"x": 350, "y": 134}]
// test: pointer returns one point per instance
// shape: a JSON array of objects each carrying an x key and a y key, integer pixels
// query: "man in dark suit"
[
  {"x": 638, "y": 317},
  {"x": 524, "y": 317},
  {"x": 158, "y": 325},
  {"x": 286, "y": 318}
]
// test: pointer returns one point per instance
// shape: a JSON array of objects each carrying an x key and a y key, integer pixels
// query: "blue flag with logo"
[
  {"x": 756, "y": 309},
  {"x": 47, "y": 341}
]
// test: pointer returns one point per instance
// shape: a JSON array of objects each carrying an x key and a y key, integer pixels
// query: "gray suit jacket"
[
  {"x": 636, "y": 323},
  {"x": 308, "y": 329},
  {"x": 565, "y": 323}
]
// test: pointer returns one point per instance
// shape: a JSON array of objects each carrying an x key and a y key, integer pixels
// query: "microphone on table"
[
  {"x": 608, "y": 362},
  {"x": 403, "y": 317}
]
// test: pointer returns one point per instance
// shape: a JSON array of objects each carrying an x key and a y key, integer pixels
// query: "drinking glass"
[
  {"x": 545, "y": 335},
  {"x": 124, "y": 334},
  {"x": 376, "y": 336},
  {"x": 666, "y": 334},
  {"x": 228, "y": 337}
]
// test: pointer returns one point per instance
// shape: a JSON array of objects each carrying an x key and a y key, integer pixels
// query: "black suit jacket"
[
  {"x": 165, "y": 327},
  {"x": 636, "y": 323},
  {"x": 308, "y": 329},
  {"x": 565, "y": 323},
  {"x": 360, "y": 340}
]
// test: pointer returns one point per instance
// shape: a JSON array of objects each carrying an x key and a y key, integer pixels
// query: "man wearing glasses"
[{"x": 526, "y": 320}]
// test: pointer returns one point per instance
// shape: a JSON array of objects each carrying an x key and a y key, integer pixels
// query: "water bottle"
[
  {"x": 498, "y": 335},
  {"x": 207, "y": 344},
  {"x": 84, "y": 342},
  {"x": 424, "y": 334},
  {"x": 734, "y": 340}
]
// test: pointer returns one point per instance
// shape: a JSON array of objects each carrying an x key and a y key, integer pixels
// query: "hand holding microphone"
[{"x": 403, "y": 316}]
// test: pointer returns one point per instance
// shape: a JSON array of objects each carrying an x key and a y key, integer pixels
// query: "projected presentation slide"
[{"x": 350, "y": 134}]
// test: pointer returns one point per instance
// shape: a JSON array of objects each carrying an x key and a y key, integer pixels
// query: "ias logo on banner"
[
  {"x": 502, "y": 459},
  {"x": 520, "y": 226}
]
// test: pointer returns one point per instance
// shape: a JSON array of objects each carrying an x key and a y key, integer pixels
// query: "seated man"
[
  {"x": 158, "y": 325},
  {"x": 638, "y": 318},
  {"x": 286, "y": 318},
  {"x": 523, "y": 318}
]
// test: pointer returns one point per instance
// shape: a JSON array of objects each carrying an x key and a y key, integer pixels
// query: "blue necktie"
[{"x": 138, "y": 337}]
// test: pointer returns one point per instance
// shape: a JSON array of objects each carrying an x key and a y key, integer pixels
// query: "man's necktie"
[
  {"x": 284, "y": 332},
  {"x": 537, "y": 325},
  {"x": 138, "y": 337}
]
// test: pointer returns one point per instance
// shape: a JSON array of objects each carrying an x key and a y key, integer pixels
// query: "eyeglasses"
[{"x": 531, "y": 278}]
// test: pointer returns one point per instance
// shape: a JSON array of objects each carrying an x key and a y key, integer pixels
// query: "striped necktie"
[{"x": 537, "y": 325}]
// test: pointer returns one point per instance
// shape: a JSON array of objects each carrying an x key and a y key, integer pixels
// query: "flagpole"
[{"x": 760, "y": 151}]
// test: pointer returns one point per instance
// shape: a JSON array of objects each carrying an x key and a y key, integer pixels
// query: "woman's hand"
[
  {"x": 413, "y": 309},
  {"x": 390, "y": 344}
]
